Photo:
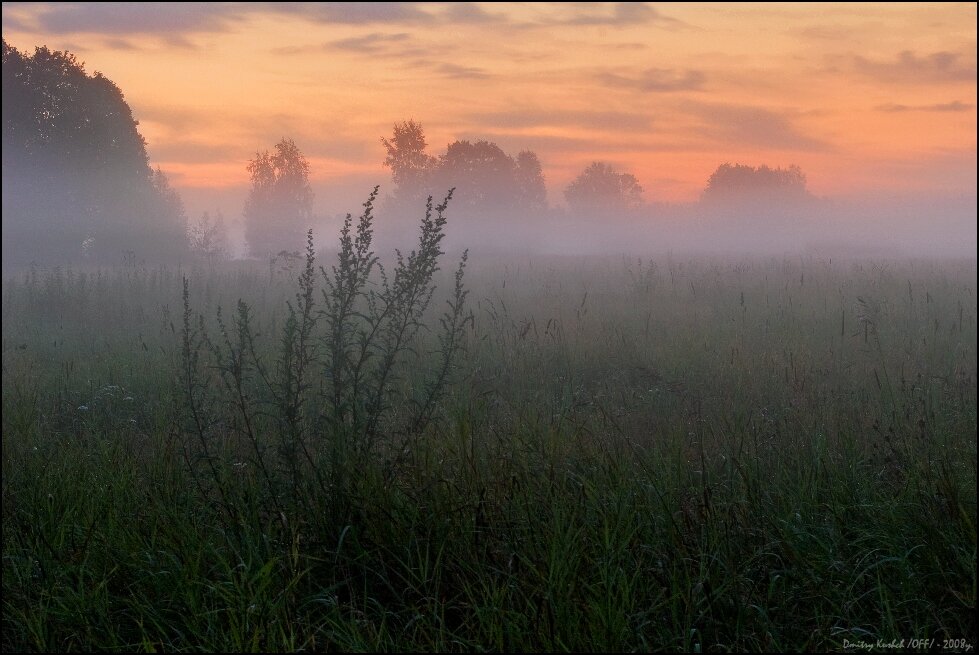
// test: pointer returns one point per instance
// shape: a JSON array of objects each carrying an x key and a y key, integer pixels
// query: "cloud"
[
  {"x": 187, "y": 134},
  {"x": 373, "y": 45},
  {"x": 370, "y": 42},
  {"x": 131, "y": 18},
  {"x": 457, "y": 72},
  {"x": 14, "y": 23},
  {"x": 354, "y": 13},
  {"x": 120, "y": 44},
  {"x": 514, "y": 143},
  {"x": 468, "y": 12},
  {"x": 623, "y": 14},
  {"x": 175, "y": 18},
  {"x": 615, "y": 121},
  {"x": 189, "y": 151},
  {"x": 910, "y": 68},
  {"x": 656, "y": 80},
  {"x": 753, "y": 126},
  {"x": 954, "y": 106}
]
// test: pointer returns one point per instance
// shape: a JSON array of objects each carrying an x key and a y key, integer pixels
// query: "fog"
[
  {"x": 913, "y": 226},
  {"x": 80, "y": 188},
  {"x": 920, "y": 224}
]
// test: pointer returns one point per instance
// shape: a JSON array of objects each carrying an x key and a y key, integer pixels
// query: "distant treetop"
[
  {"x": 600, "y": 188},
  {"x": 485, "y": 178},
  {"x": 740, "y": 183}
]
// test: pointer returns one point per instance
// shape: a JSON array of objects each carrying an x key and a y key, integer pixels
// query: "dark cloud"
[
  {"x": 370, "y": 42},
  {"x": 376, "y": 44},
  {"x": 623, "y": 14},
  {"x": 457, "y": 72},
  {"x": 170, "y": 18},
  {"x": 910, "y": 68},
  {"x": 468, "y": 12},
  {"x": 14, "y": 24},
  {"x": 354, "y": 13},
  {"x": 181, "y": 42},
  {"x": 954, "y": 106},
  {"x": 132, "y": 18},
  {"x": 754, "y": 126},
  {"x": 120, "y": 44},
  {"x": 617, "y": 121},
  {"x": 656, "y": 80}
]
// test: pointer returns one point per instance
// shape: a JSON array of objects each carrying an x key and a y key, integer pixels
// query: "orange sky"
[{"x": 864, "y": 97}]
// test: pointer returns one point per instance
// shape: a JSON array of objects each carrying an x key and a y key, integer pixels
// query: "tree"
[
  {"x": 486, "y": 179},
  {"x": 279, "y": 206},
  {"x": 209, "y": 238},
  {"x": 530, "y": 181},
  {"x": 600, "y": 188},
  {"x": 410, "y": 166},
  {"x": 75, "y": 168},
  {"x": 740, "y": 184},
  {"x": 483, "y": 175}
]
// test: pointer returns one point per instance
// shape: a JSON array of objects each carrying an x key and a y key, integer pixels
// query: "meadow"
[{"x": 588, "y": 453}]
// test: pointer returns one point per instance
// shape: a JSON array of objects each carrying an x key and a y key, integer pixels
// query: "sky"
[{"x": 866, "y": 98}]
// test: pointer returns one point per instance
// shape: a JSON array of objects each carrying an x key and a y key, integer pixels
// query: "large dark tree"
[
  {"x": 599, "y": 188},
  {"x": 75, "y": 168},
  {"x": 279, "y": 207}
]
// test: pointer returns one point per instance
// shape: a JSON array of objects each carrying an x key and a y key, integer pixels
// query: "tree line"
[
  {"x": 488, "y": 183},
  {"x": 77, "y": 179}
]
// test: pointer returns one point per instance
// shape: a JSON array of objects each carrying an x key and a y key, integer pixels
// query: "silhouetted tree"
[
  {"x": 482, "y": 174},
  {"x": 739, "y": 184},
  {"x": 278, "y": 210},
  {"x": 75, "y": 167},
  {"x": 600, "y": 188},
  {"x": 485, "y": 178},
  {"x": 410, "y": 165},
  {"x": 530, "y": 181}
]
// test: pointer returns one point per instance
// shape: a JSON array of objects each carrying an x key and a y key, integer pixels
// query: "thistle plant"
[{"x": 326, "y": 402}]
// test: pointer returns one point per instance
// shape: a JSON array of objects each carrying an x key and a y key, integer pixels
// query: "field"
[{"x": 590, "y": 453}]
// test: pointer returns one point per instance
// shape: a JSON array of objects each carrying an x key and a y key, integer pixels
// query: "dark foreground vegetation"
[{"x": 548, "y": 454}]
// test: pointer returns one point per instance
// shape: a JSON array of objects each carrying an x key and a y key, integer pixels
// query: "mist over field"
[{"x": 591, "y": 327}]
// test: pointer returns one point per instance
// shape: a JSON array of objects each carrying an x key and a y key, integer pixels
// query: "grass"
[{"x": 702, "y": 454}]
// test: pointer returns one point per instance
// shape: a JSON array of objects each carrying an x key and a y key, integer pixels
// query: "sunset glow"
[{"x": 864, "y": 98}]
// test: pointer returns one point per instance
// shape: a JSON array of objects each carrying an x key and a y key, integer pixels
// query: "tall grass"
[{"x": 582, "y": 454}]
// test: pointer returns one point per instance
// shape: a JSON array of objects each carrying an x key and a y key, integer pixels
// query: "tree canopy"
[
  {"x": 410, "y": 165},
  {"x": 486, "y": 179},
  {"x": 75, "y": 167},
  {"x": 600, "y": 188},
  {"x": 279, "y": 206},
  {"x": 746, "y": 184}
]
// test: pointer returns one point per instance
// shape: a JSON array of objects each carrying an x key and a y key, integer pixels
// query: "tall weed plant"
[{"x": 309, "y": 421}]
